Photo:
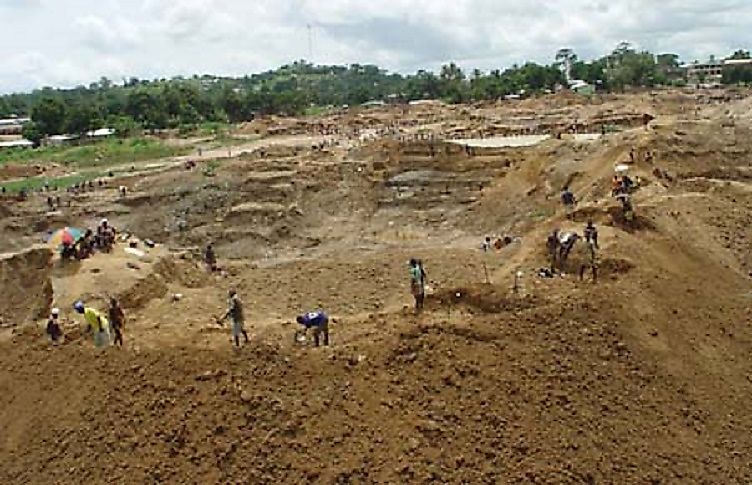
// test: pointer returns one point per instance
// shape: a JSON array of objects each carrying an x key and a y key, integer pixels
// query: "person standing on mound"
[
  {"x": 417, "y": 283},
  {"x": 235, "y": 313}
]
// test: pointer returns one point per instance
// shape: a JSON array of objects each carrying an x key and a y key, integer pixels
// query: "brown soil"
[
  {"x": 26, "y": 286},
  {"x": 642, "y": 377}
]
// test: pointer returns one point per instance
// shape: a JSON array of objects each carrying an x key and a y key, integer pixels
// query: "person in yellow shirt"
[{"x": 97, "y": 322}]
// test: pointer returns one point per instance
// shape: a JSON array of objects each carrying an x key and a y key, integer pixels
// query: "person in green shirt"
[
  {"x": 97, "y": 322},
  {"x": 417, "y": 283}
]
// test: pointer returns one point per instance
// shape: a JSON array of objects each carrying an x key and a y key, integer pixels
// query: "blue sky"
[{"x": 69, "y": 42}]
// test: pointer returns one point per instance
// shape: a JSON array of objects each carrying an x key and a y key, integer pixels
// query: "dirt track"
[{"x": 644, "y": 377}]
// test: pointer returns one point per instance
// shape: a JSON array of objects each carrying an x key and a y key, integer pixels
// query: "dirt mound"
[
  {"x": 558, "y": 393},
  {"x": 167, "y": 272},
  {"x": 5, "y": 211},
  {"x": 486, "y": 298},
  {"x": 8, "y": 172},
  {"x": 26, "y": 286}
]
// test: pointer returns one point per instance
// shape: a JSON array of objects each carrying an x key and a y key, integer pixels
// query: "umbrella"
[{"x": 67, "y": 235}]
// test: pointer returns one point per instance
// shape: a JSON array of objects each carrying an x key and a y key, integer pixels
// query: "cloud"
[
  {"x": 106, "y": 36},
  {"x": 76, "y": 41}
]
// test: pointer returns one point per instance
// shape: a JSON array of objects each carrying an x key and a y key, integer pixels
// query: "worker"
[
  {"x": 105, "y": 237},
  {"x": 627, "y": 183},
  {"x": 626, "y": 206},
  {"x": 588, "y": 259},
  {"x": 68, "y": 251},
  {"x": 486, "y": 245},
  {"x": 552, "y": 245},
  {"x": 569, "y": 201},
  {"x": 210, "y": 258},
  {"x": 567, "y": 241},
  {"x": 117, "y": 320},
  {"x": 319, "y": 322},
  {"x": 616, "y": 186},
  {"x": 85, "y": 245},
  {"x": 53, "y": 327},
  {"x": 96, "y": 322},
  {"x": 417, "y": 283},
  {"x": 591, "y": 234},
  {"x": 235, "y": 312}
]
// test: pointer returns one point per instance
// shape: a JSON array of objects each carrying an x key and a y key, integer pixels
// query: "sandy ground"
[{"x": 641, "y": 377}]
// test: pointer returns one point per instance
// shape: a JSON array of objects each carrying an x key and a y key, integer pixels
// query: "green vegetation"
[
  {"x": 63, "y": 182},
  {"x": 204, "y": 104},
  {"x": 739, "y": 74},
  {"x": 101, "y": 154},
  {"x": 317, "y": 110},
  {"x": 211, "y": 167}
]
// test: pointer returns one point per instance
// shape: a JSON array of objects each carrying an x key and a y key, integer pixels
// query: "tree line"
[{"x": 180, "y": 102}]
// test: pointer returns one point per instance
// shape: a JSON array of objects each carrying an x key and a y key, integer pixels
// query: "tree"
[
  {"x": 32, "y": 133},
  {"x": 740, "y": 54},
  {"x": 565, "y": 59},
  {"x": 231, "y": 102},
  {"x": 4, "y": 108},
  {"x": 667, "y": 68},
  {"x": 124, "y": 126},
  {"x": 50, "y": 116},
  {"x": 453, "y": 88},
  {"x": 628, "y": 67},
  {"x": 82, "y": 118},
  {"x": 423, "y": 85},
  {"x": 737, "y": 74},
  {"x": 590, "y": 72},
  {"x": 147, "y": 107}
]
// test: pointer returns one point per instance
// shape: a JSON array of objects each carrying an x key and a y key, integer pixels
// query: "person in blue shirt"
[
  {"x": 319, "y": 322},
  {"x": 569, "y": 201}
]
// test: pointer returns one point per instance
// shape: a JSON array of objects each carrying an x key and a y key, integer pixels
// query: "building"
[
  {"x": 9, "y": 145},
  {"x": 101, "y": 133},
  {"x": 710, "y": 74},
  {"x": 58, "y": 140},
  {"x": 581, "y": 87},
  {"x": 704, "y": 73},
  {"x": 12, "y": 126}
]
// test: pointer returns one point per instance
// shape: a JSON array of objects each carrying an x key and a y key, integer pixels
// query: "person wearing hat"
[
  {"x": 235, "y": 312},
  {"x": 97, "y": 322},
  {"x": 53, "y": 327}
]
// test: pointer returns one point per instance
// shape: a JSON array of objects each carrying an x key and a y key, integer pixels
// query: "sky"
[{"x": 63, "y": 43}]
